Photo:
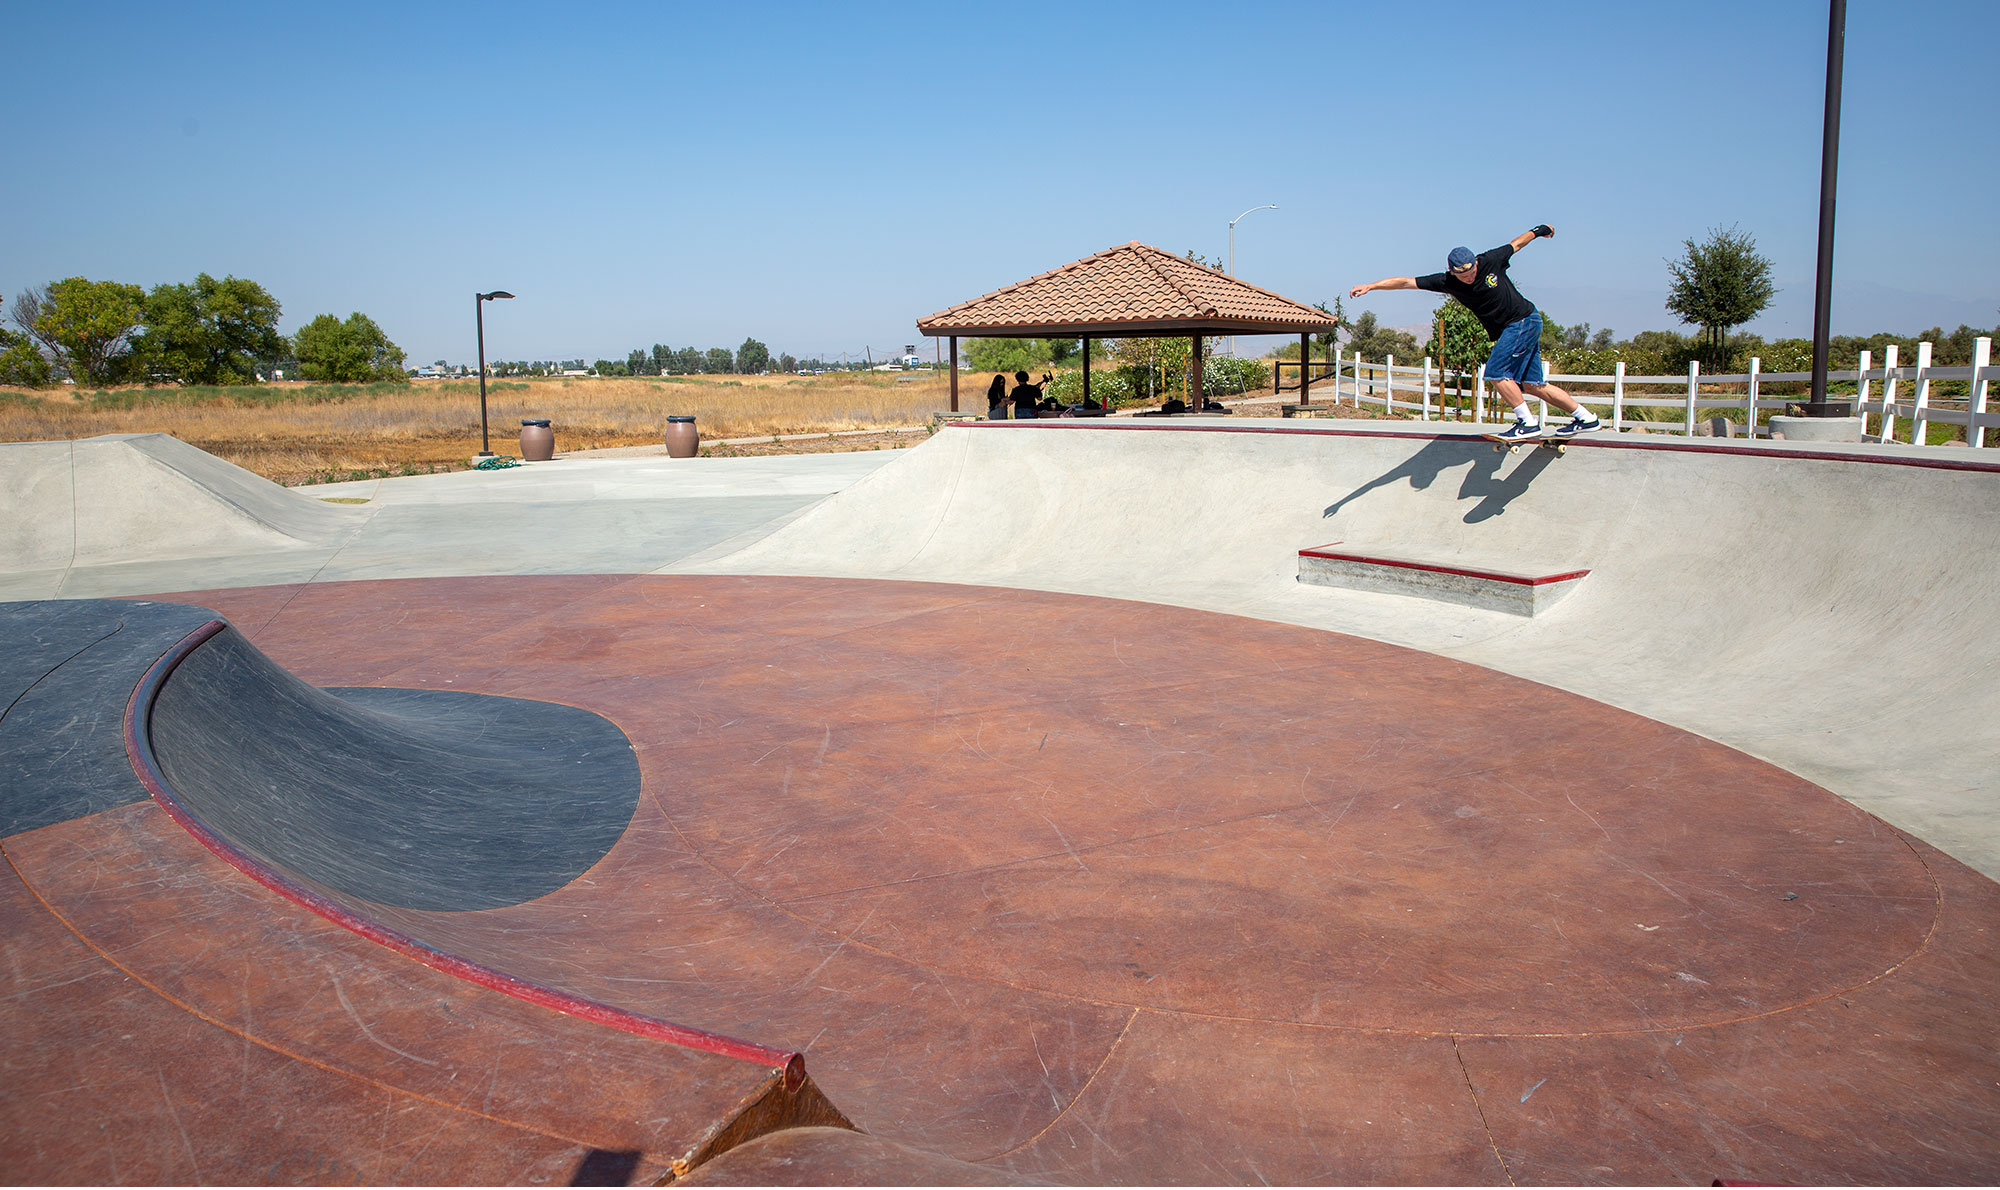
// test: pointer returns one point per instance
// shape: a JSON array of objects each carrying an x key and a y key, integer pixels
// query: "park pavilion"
[{"x": 1131, "y": 291}]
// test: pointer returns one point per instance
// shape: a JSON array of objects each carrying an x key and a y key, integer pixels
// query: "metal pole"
[
  {"x": 1232, "y": 254},
  {"x": 1829, "y": 168},
  {"x": 479, "y": 317}
]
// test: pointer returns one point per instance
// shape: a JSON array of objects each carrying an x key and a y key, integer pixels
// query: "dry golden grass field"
[{"x": 304, "y": 433}]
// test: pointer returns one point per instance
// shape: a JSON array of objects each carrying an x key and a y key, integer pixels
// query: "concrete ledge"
[
  {"x": 1816, "y": 429},
  {"x": 1495, "y": 590}
]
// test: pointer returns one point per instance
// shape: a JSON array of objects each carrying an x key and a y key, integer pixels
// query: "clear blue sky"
[{"x": 820, "y": 176}]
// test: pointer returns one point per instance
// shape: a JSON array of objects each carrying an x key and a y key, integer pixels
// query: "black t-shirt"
[
  {"x": 1491, "y": 297},
  {"x": 1026, "y": 396}
]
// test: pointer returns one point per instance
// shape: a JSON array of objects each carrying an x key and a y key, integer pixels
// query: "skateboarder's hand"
[
  {"x": 1543, "y": 229},
  {"x": 1357, "y": 291}
]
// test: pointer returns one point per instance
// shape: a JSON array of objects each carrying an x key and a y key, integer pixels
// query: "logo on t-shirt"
[{"x": 1492, "y": 280}]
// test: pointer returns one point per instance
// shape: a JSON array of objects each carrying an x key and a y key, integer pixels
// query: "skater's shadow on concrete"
[{"x": 1483, "y": 483}]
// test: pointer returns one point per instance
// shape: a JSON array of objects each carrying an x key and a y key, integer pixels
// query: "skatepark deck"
[{"x": 1045, "y": 886}]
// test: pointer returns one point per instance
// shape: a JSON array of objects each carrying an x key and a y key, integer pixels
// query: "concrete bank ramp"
[
  {"x": 141, "y": 497},
  {"x": 1829, "y": 610}
]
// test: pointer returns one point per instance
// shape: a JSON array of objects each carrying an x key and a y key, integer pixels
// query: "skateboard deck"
[{"x": 1514, "y": 445}]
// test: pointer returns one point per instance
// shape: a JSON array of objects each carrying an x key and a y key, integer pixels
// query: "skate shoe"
[
  {"x": 1520, "y": 431},
  {"x": 1580, "y": 423}
]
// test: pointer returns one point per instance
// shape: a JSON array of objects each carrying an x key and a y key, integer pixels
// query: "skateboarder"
[{"x": 1480, "y": 282}]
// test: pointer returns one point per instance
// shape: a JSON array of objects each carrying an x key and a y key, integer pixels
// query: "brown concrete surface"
[
  {"x": 257, "y": 1042},
  {"x": 1056, "y": 888}
]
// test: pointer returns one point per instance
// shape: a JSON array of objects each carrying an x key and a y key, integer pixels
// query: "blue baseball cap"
[{"x": 1460, "y": 257}]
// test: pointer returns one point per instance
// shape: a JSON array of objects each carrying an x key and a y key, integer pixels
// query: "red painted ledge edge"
[{"x": 1521, "y": 580}]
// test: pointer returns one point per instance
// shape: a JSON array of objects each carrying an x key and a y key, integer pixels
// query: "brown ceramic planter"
[
  {"x": 538, "y": 441},
  {"x": 683, "y": 440}
]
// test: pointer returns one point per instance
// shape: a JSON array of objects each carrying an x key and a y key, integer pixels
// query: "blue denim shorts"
[{"x": 1517, "y": 353}]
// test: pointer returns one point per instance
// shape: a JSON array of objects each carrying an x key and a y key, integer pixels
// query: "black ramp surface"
[
  {"x": 416, "y": 798},
  {"x": 67, "y": 667}
]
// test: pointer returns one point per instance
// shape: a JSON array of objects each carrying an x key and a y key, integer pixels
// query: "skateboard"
[{"x": 1514, "y": 445}]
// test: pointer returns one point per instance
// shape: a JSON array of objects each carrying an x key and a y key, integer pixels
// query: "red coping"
[
  {"x": 139, "y": 750},
  {"x": 1824, "y": 456},
  {"x": 1327, "y": 551}
]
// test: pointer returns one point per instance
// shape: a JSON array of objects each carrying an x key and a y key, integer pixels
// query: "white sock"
[{"x": 1524, "y": 417}]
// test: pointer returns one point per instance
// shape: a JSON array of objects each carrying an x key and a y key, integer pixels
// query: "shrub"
[
  {"x": 1111, "y": 388},
  {"x": 1225, "y": 376}
]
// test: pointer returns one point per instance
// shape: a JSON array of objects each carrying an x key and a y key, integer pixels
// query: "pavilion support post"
[
  {"x": 1086, "y": 371},
  {"x": 1306, "y": 368},
  {"x": 1196, "y": 402},
  {"x": 954, "y": 373}
]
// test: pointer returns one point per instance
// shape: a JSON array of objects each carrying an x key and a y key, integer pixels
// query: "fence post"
[
  {"x": 1694, "y": 387},
  {"x": 1618, "y": 398},
  {"x": 1919, "y": 423},
  {"x": 1479, "y": 396},
  {"x": 1427, "y": 388},
  {"x": 1861, "y": 389},
  {"x": 1975, "y": 400},
  {"x": 1389, "y": 394},
  {"x": 1889, "y": 393},
  {"x": 1750, "y": 422}
]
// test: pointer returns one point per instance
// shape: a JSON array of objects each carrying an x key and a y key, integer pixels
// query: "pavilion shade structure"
[{"x": 1131, "y": 291}]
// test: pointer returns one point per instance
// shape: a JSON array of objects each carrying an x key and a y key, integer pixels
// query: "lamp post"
[
  {"x": 1829, "y": 169},
  {"x": 1270, "y": 206},
  {"x": 479, "y": 317}
]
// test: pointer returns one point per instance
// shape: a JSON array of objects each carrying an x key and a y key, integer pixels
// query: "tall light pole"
[
  {"x": 1232, "y": 260},
  {"x": 1829, "y": 171},
  {"x": 479, "y": 316}
]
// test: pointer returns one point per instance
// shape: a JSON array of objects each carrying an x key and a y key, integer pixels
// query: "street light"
[
  {"x": 1232, "y": 258},
  {"x": 479, "y": 316},
  {"x": 1232, "y": 233}
]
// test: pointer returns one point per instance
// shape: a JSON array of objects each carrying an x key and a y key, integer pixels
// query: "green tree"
[
  {"x": 1457, "y": 340},
  {"x": 718, "y": 362},
  {"x": 753, "y": 357},
  {"x": 1006, "y": 355},
  {"x": 85, "y": 326},
  {"x": 211, "y": 332},
  {"x": 787, "y": 364},
  {"x": 637, "y": 362},
  {"x": 1156, "y": 367},
  {"x": 350, "y": 352},
  {"x": 1370, "y": 340},
  {"x": 1720, "y": 284},
  {"x": 21, "y": 362}
]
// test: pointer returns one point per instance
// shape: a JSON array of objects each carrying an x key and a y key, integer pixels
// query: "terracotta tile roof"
[{"x": 1131, "y": 288}]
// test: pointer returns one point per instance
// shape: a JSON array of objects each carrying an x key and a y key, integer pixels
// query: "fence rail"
[{"x": 1887, "y": 394}]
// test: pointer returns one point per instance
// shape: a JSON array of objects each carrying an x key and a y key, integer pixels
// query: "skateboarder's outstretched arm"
[
  {"x": 1530, "y": 236},
  {"x": 1384, "y": 283}
]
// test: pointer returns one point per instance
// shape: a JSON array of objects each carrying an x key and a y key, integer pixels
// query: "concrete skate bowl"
[
  {"x": 1146, "y": 889},
  {"x": 349, "y": 804},
  {"x": 421, "y": 799},
  {"x": 1053, "y": 887},
  {"x": 1827, "y": 611},
  {"x": 135, "y": 497}
]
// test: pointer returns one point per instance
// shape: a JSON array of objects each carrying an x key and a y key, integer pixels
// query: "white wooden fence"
[{"x": 1884, "y": 394}]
